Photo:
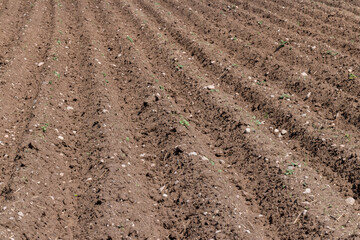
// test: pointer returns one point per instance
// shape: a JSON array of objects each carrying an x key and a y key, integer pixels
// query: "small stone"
[
  {"x": 350, "y": 201},
  {"x": 69, "y": 108},
  {"x": 192, "y": 154},
  {"x": 308, "y": 190},
  {"x": 247, "y": 130},
  {"x": 210, "y": 87},
  {"x": 40, "y": 64},
  {"x": 204, "y": 158},
  {"x": 165, "y": 195},
  {"x": 61, "y": 137},
  {"x": 291, "y": 167},
  {"x": 304, "y": 74},
  {"x": 276, "y": 130},
  {"x": 283, "y": 132},
  {"x": 20, "y": 214}
]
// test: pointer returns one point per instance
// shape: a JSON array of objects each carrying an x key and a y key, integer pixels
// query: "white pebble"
[
  {"x": 308, "y": 190},
  {"x": 192, "y": 154},
  {"x": 350, "y": 201},
  {"x": 40, "y": 64},
  {"x": 20, "y": 214},
  {"x": 69, "y": 108},
  {"x": 61, "y": 137},
  {"x": 283, "y": 132},
  {"x": 248, "y": 130}
]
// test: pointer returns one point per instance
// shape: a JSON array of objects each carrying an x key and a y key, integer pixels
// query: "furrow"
[{"x": 282, "y": 116}]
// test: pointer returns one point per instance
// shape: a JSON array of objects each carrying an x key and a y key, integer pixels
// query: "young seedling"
[
  {"x": 57, "y": 74},
  {"x": 352, "y": 76},
  {"x": 130, "y": 39},
  {"x": 284, "y": 96},
  {"x": 179, "y": 66},
  {"x": 44, "y": 127},
  {"x": 234, "y": 38},
  {"x": 282, "y": 44},
  {"x": 184, "y": 122},
  {"x": 348, "y": 136},
  {"x": 332, "y": 53},
  {"x": 161, "y": 88},
  {"x": 258, "y": 122},
  {"x": 127, "y": 139},
  {"x": 260, "y": 22},
  {"x": 58, "y": 42},
  {"x": 289, "y": 171}
]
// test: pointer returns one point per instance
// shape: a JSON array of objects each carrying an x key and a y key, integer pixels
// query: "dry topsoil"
[{"x": 179, "y": 119}]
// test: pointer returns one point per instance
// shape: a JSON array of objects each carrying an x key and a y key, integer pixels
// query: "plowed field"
[{"x": 179, "y": 119}]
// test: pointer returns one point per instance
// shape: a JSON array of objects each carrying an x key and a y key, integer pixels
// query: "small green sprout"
[
  {"x": 258, "y": 122},
  {"x": 282, "y": 43},
  {"x": 184, "y": 122},
  {"x": 50, "y": 82},
  {"x": 179, "y": 66},
  {"x": 284, "y": 96},
  {"x": 57, "y": 74},
  {"x": 260, "y": 22},
  {"x": 130, "y": 39},
  {"x": 352, "y": 76},
  {"x": 58, "y": 42},
  {"x": 161, "y": 88},
  {"x": 127, "y": 139},
  {"x": 234, "y": 38},
  {"x": 348, "y": 136},
  {"x": 212, "y": 163},
  {"x": 44, "y": 127},
  {"x": 289, "y": 171},
  {"x": 332, "y": 53}
]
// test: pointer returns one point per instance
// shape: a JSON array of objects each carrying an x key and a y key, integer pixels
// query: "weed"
[
  {"x": 161, "y": 88},
  {"x": 55, "y": 58},
  {"x": 212, "y": 162},
  {"x": 258, "y": 122},
  {"x": 289, "y": 171},
  {"x": 260, "y": 22},
  {"x": 266, "y": 115},
  {"x": 130, "y": 39},
  {"x": 284, "y": 96},
  {"x": 44, "y": 127},
  {"x": 234, "y": 65},
  {"x": 156, "y": 80},
  {"x": 352, "y": 76},
  {"x": 184, "y": 122},
  {"x": 234, "y": 38},
  {"x": 127, "y": 139},
  {"x": 104, "y": 74},
  {"x": 50, "y": 82},
  {"x": 76, "y": 195},
  {"x": 58, "y": 42}
]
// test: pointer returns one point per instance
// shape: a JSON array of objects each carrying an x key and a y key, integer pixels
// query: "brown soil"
[{"x": 180, "y": 119}]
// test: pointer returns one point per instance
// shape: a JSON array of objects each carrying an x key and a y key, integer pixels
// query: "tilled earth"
[{"x": 180, "y": 119}]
